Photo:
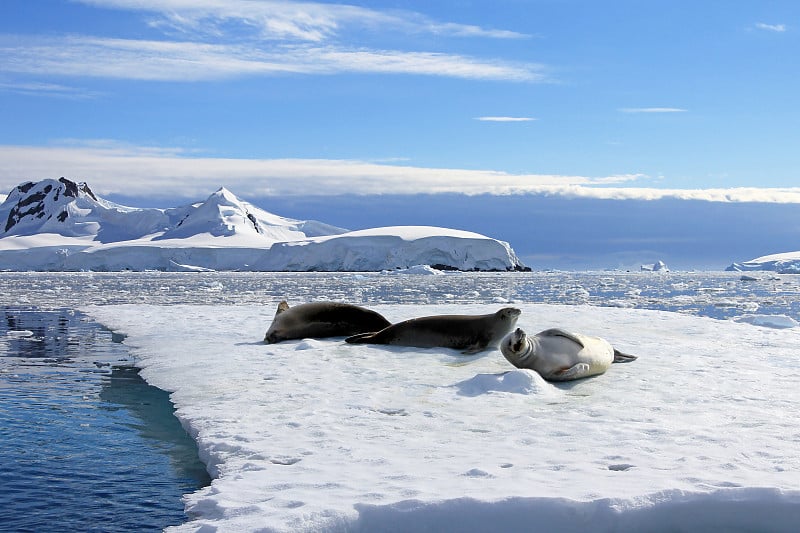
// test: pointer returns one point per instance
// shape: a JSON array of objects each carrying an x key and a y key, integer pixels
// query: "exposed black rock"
[
  {"x": 71, "y": 186},
  {"x": 252, "y": 219},
  {"x": 33, "y": 198},
  {"x": 85, "y": 188}
]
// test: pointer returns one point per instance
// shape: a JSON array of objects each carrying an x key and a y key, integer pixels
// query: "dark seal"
[
  {"x": 469, "y": 333},
  {"x": 320, "y": 320}
]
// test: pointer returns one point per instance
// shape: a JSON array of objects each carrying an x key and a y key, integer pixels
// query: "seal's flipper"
[
  {"x": 555, "y": 332},
  {"x": 475, "y": 348},
  {"x": 282, "y": 307},
  {"x": 581, "y": 370},
  {"x": 361, "y": 338},
  {"x": 620, "y": 357}
]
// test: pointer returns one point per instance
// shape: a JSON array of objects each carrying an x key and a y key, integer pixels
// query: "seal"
[
  {"x": 469, "y": 333},
  {"x": 320, "y": 320},
  {"x": 559, "y": 355}
]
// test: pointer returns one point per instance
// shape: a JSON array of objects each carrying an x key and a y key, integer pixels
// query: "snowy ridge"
[
  {"x": 392, "y": 247},
  {"x": 784, "y": 263},
  {"x": 690, "y": 437},
  {"x": 63, "y": 225}
]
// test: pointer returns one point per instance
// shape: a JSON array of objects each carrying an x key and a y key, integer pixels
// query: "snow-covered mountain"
[
  {"x": 71, "y": 209},
  {"x": 63, "y": 225},
  {"x": 784, "y": 263}
]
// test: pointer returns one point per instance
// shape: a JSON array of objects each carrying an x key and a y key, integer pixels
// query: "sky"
[{"x": 159, "y": 102}]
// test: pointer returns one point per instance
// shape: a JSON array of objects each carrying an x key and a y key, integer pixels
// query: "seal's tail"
[
  {"x": 361, "y": 338},
  {"x": 620, "y": 357}
]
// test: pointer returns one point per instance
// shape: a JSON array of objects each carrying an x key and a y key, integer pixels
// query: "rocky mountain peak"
[{"x": 37, "y": 203}]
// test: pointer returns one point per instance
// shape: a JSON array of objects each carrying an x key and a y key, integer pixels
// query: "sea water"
[
  {"x": 86, "y": 445},
  {"x": 714, "y": 294}
]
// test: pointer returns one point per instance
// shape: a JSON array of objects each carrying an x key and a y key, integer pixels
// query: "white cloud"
[
  {"x": 505, "y": 119},
  {"x": 138, "y": 171},
  {"x": 779, "y": 28},
  {"x": 190, "y": 61},
  {"x": 112, "y": 168},
  {"x": 47, "y": 89},
  {"x": 288, "y": 20},
  {"x": 222, "y": 39},
  {"x": 652, "y": 110}
]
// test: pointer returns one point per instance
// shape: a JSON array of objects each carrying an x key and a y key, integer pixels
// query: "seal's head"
[
  {"x": 504, "y": 321},
  {"x": 272, "y": 337},
  {"x": 515, "y": 346},
  {"x": 510, "y": 314},
  {"x": 274, "y": 333}
]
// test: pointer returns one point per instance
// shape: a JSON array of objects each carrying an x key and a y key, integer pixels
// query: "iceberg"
[
  {"x": 392, "y": 247},
  {"x": 658, "y": 266},
  {"x": 783, "y": 263}
]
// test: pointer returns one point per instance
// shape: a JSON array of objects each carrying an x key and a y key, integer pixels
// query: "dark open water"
[{"x": 85, "y": 443}]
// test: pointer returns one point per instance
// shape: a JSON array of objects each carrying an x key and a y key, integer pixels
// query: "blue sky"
[{"x": 166, "y": 100}]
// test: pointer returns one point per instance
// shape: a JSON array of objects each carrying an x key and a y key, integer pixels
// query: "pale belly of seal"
[{"x": 558, "y": 355}]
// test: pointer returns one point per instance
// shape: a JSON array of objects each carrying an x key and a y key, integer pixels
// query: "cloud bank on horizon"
[{"x": 130, "y": 171}]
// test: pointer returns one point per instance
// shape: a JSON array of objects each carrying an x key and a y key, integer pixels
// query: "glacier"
[{"x": 61, "y": 225}]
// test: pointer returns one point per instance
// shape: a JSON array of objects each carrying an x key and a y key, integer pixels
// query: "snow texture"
[
  {"x": 63, "y": 225},
  {"x": 700, "y": 433}
]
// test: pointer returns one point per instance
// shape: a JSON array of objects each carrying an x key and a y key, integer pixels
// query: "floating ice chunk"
[
  {"x": 416, "y": 270},
  {"x": 769, "y": 321},
  {"x": 19, "y": 334},
  {"x": 177, "y": 267}
]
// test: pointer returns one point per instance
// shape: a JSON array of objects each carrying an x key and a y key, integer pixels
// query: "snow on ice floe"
[
  {"x": 63, "y": 225},
  {"x": 317, "y": 435},
  {"x": 519, "y": 381}
]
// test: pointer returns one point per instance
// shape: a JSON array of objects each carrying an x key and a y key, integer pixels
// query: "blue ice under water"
[{"x": 85, "y": 443}]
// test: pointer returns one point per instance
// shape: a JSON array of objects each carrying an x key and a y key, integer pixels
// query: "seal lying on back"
[
  {"x": 470, "y": 333},
  {"x": 321, "y": 319},
  {"x": 559, "y": 355}
]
